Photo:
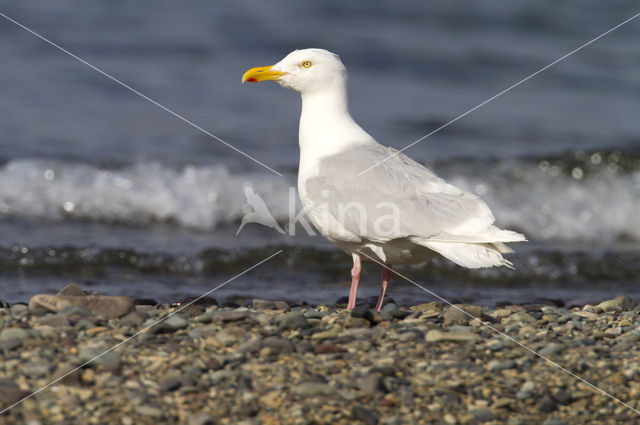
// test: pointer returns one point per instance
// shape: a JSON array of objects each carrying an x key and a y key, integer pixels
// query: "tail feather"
[{"x": 471, "y": 255}]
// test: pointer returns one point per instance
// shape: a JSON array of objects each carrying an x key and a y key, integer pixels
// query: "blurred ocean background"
[{"x": 102, "y": 188}]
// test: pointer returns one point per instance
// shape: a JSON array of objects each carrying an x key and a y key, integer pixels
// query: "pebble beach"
[{"x": 273, "y": 362}]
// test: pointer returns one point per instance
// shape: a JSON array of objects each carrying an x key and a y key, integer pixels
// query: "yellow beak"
[{"x": 261, "y": 73}]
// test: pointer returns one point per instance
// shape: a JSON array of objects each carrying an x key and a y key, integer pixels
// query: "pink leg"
[
  {"x": 386, "y": 275},
  {"x": 355, "y": 279}
]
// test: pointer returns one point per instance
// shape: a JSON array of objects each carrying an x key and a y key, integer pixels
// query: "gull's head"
[{"x": 305, "y": 71}]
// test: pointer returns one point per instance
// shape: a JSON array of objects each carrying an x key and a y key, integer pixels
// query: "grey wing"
[{"x": 398, "y": 198}]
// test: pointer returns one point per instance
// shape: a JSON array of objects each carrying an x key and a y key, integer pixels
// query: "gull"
[{"x": 396, "y": 213}]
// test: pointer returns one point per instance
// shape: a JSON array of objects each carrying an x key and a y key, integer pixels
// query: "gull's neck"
[{"x": 326, "y": 127}]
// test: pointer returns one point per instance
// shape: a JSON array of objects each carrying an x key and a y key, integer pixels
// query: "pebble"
[
  {"x": 104, "y": 306},
  {"x": 270, "y": 365},
  {"x": 495, "y": 365},
  {"x": 109, "y": 360},
  {"x": 269, "y": 305},
  {"x": 551, "y": 349},
  {"x": 438, "y": 336},
  {"x": 311, "y": 389},
  {"x": 175, "y": 322},
  {"x": 292, "y": 320}
]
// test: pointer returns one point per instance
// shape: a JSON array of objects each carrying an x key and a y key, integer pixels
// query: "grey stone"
[
  {"x": 18, "y": 309},
  {"x": 435, "y": 335},
  {"x": 453, "y": 316},
  {"x": 269, "y": 305},
  {"x": 367, "y": 416},
  {"x": 135, "y": 318},
  {"x": 230, "y": 315},
  {"x": 292, "y": 320},
  {"x": 99, "y": 356},
  {"x": 495, "y": 365},
  {"x": 170, "y": 384},
  {"x": 206, "y": 317},
  {"x": 104, "y": 306},
  {"x": 72, "y": 290},
  {"x": 77, "y": 311},
  {"x": 555, "y": 421},
  {"x": 610, "y": 305},
  {"x": 146, "y": 410},
  {"x": 278, "y": 345},
  {"x": 482, "y": 415},
  {"x": 389, "y": 308},
  {"x": 18, "y": 333},
  {"x": 371, "y": 383},
  {"x": 551, "y": 349},
  {"x": 10, "y": 344},
  {"x": 201, "y": 419},
  {"x": 250, "y": 346},
  {"x": 10, "y": 393},
  {"x": 310, "y": 389},
  {"x": 520, "y": 317},
  {"x": 496, "y": 345},
  {"x": 547, "y": 404},
  {"x": 175, "y": 322},
  {"x": 56, "y": 320}
]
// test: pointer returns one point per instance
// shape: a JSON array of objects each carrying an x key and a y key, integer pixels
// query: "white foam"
[
  {"x": 201, "y": 197},
  {"x": 602, "y": 206}
]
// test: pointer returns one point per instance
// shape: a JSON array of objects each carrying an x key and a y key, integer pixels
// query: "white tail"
[{"x": 471, "y": 255}]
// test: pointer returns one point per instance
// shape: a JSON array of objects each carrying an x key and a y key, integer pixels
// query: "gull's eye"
[{"x": 306, "y": 64}]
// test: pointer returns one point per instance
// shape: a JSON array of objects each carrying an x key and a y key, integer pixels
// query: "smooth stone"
[
  {"x": 10, "y": 344},
  {"x": 10, "y": 393},
  {"x": 401, "y": 314},
  {"x": 371, "y": 383},
  {"x": 250, "y": 346},
  {"x": 389, "y": 308},
  {"x": 495, "y": 365},
  {"x": 331, "y": 333},
  {"x": 365, "y": 415},
  {"x": 110, "y": 361},
  {"x": 18, "y": 333},
  {"x": 201, "y": 419},
  {"x": 304, "y": 347},
  {"x": 328, "y": 348},
  {"x": 356, "y": 322},
  {"x": 435, "y": 335},
  {"x": 292, "y": 320},
  {"x": 555, "y": 421},
  {"x": 104, "y": 306},
  {"x": 610, "y": 305},
  {"x": 169, "y": 384},
  {"x": 453, "y": 316},
  {"x": 175, "y": 322},
  {"x": 56, "y": 320},
  {"x": 146, "y": 410},
  {"x": 496, "y": 345},
  {"x": 278, "y": 345},
  {"x": 72, "y": 290},
  {"x": 431, "y": 306},
  {"x": 230, "y": 315},
  {"x": 520, "y": 317},
  {"x": 206, "y": 317},
  {"x": 547, "y": 404},
  {"x": 310, "y": 389},
  {"x": 259, "y": 304},
  {"x": 551, "y": 349},
  {"x": 17, "y": 309},
  {"x": 482, "y": 415},
  {"x": 135, "y": 318}
]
